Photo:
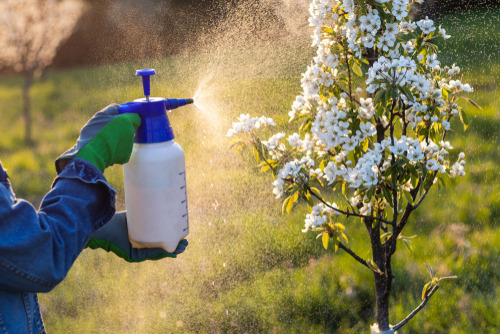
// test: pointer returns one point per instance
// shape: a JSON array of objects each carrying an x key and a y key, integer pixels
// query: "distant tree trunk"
[{"x": 28, "y": 81}]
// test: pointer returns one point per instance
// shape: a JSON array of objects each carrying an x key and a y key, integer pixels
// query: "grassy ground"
[{"x": 248, "y": 269}]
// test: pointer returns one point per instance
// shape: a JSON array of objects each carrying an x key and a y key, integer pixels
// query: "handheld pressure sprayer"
[{"x": 155, "y": 176}]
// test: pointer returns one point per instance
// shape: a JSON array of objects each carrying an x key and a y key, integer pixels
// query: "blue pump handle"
[{"x": 145, "y": 74}]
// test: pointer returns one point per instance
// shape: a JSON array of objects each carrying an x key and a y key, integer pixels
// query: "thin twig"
[
  {"x": 352, "y": 99},
  {"x": 347, "y": 213},
  {"x": 351, "y": 253},
  {"x": 415, "y": 311},
  {"x": 421, "y": 198}
]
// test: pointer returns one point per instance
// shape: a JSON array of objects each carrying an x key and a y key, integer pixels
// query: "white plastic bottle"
[
  {"x": 155, "y": 176},
  {"x": 156, "y": 195}
]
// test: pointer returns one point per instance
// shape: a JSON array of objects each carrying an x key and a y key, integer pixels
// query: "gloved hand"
[
  {"x": 113, "y": 237},
  {"x": 106, "y": 139}
]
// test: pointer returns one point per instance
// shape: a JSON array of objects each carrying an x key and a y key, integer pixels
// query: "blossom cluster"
[
  {"x": 318, "y": 216},
  {"x": 247, "y": 123}
]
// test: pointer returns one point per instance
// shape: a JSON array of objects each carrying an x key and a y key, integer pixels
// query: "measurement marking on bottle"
[
  {"x": 182, "y": 173},
  {"x": 184, "y": 215},
  {"x": 183, "y": 187},
  {"x": 184, "y": 201}
]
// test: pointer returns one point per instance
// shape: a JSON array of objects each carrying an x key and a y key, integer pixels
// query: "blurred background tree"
[{"x": 30, "y": 33}]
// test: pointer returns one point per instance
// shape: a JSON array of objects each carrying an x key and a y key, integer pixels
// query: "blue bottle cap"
[{"x": 155, "y": 125}]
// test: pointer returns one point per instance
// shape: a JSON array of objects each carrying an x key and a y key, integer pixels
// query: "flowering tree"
[
  {"x": 380, "y": 149},
  {"x": 30, "y": 33}
]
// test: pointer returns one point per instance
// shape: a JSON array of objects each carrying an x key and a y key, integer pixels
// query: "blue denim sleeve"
[{"x": 37, "y": 248}]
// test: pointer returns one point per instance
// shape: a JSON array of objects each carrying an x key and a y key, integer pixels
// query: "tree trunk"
[
  {"x": 28, "y": 81},
  {"x": 382, "y": 315}
]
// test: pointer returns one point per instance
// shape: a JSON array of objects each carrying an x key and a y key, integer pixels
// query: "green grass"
[{"x": 276, "y": 279}]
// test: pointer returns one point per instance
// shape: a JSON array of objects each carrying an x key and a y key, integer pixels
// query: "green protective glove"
[
  {"x": 113, "y": 237},
  {"x": 106, "y": 139}
]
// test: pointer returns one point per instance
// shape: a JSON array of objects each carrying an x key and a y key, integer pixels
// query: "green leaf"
[
  {"x": 389, "y": 170},
  {"x": 445, "y": 92},
  {"x": 265, "y": 168},
  {"x": 474, "y": 103},
  {"x": 464, "y": 118},
  {"x": 424, "y": 291},
  {"x": 406, "y": 92},
  {"x": 340, "y": 226},
  {"x": 373, "y": 266},
  {"x": 363, "y": 60},
  {"x": 412, "y": 170},
  {"x": 387, "y": 195},
  {"x": 320, "y": 182},
  {"x": 344, "y": 187},
  {"x": 418, "y": 42},
  {"x": 344, "y": 237},
  {"x": 408, "y": 197},
  {"x": 365, "y": 145},
  {"x": 238, "y": 148},
  {"x": 256, "y": 153},
  {"x": 380, "y": 111},
  {"x": 379, "y": 96},
  {"x": 357, "y": 69},
  {"x": 325, "y": 240},
  {"x": 429, "y": 269},
  {"x": 386, "y": 235},
  {"x": 285, "y": 203},
  {"x": 310, "y": 201},
  {"x": 327, "y": 30},
  {"x": 394, "y": 94},
  {"x": 292, "y": 201},
  {"x": 408, "y": 245}
]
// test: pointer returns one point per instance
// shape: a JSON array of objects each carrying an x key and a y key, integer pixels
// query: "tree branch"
[
  {"x": 415, "y": 311},
  {"x": 421, "y": 198},
  {"x": 347, "y": 213},
  {"x": 351, "y": 253}
]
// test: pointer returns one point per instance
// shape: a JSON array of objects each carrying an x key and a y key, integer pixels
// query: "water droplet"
[
  {"x": 213, "y": 282},
  {"x": 203, "y": 131},
  {"x": 203, "y": 143},
  {"x": 224, "y": 265},
  {"x": 227, "y": 312},
  {"x": 209, "y": 224},
  {"x": 170, "y": 111},
  {"x": 212, "y": 184},
  {"x": 219, "y": 251},
  {"x": 203, "y": 174},
  {"x": 224, "y": 220},
  {"x": 204, "y": 136},
  {"x": 210, "y": 161}
]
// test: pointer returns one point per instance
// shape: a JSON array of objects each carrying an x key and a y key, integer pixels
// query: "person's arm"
[{"x": 37, "y": 248}]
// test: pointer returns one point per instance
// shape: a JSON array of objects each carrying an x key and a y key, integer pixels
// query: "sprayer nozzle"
[{"x": 189, "y": 101}]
